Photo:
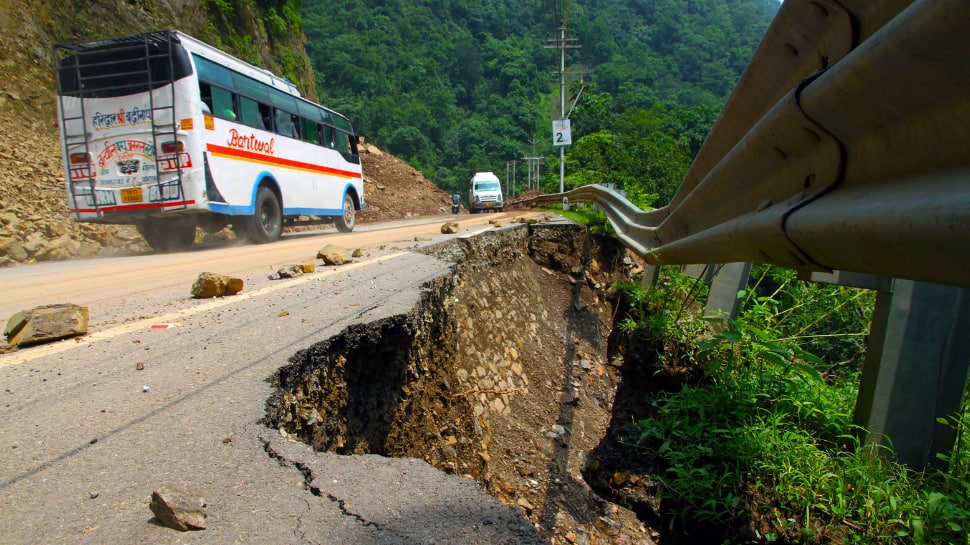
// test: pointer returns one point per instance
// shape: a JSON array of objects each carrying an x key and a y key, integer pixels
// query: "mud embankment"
[{"x": 500, "y": 374}]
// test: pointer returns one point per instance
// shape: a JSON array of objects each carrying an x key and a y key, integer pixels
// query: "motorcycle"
[{"x": 455, "y": 204}]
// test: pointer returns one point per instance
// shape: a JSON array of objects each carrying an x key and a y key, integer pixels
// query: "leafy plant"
[
  {"x": 668, "y": 312},
  {"x": 225, "y": 7},
  {"x": 829, "y": 321},
  {"x": 275, "y": 24}
]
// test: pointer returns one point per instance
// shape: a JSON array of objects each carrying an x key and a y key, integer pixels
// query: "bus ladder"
[{"x": 142, "y": 51}]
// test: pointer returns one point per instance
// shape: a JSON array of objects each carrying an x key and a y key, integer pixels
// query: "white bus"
[{"x": 164, "y": 132}]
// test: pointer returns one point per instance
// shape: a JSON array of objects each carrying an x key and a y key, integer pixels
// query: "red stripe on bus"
[
  {"x": 124, "y": 207},
  {"x": 268, "y": 159}
]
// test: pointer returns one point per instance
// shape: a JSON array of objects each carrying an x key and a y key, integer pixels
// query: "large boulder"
[
  {"x": 46, "y": 323},
  {"x": 215, "y": 285}
]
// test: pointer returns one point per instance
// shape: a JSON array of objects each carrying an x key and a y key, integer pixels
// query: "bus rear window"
[{"x": 118, "y": 67}]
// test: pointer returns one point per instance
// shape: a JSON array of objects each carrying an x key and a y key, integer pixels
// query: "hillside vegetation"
[{"x": 457, "y": 87}]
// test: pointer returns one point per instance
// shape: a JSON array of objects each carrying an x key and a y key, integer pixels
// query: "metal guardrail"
[{"x": 845, "y": 146}]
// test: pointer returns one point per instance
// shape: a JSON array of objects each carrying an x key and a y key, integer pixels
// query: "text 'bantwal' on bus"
[{"x": 164, "y": 132}]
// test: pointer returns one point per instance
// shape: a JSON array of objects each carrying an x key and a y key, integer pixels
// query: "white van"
[{"x": 485, "y": 193}]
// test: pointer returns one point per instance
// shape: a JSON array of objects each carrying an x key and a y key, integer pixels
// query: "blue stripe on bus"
[
  {"x": 313, "y": 211},
  {"x": 230, "y": 209},
  {"x": 242, "y": 210},
  {"x": 249, "y": 209}
]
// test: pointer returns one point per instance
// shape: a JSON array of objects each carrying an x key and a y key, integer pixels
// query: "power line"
[{"x": 563, "y": 42}]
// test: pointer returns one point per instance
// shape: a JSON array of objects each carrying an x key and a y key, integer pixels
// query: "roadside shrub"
[{"x": 764, "y": 447}]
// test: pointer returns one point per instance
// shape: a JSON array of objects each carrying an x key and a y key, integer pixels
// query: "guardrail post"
[
  {"x": 722, "y": 298},
  {"x": 915, "y": 370},
  {"x": 651, "y": 274}
]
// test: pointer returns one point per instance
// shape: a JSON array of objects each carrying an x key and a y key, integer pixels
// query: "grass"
[
  {"x": 764, "y": 447},
  {"x": 594, "y": 218}
]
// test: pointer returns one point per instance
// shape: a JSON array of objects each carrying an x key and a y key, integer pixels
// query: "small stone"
[
  {"x": 450, "y": 228},
  {"x": 94, "y": 494},
  {"x": 333, "y": 255},
  {"x": 139, "y": 366},
  {"x": 291, "y": 271},
  {"x": 568, "y": 397},
  {"x": 145, "y": 389},
  {"x": 179, "y": 509}
]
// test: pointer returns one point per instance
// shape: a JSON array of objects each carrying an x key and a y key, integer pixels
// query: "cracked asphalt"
[{"x": 86, "y": 435}]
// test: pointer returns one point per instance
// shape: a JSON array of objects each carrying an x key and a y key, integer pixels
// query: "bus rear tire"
[
  {"x": 168, "y": 234},
  {"x": 266, "y": 223},
  {"x": 346, "y": 222}
]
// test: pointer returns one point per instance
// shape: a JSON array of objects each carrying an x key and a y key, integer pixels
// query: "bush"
[{"x": 763, "y": 447}]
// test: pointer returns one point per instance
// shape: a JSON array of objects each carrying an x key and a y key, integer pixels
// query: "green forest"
[{"x": 454, "y": 87}]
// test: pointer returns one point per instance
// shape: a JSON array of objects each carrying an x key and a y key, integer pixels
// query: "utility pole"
[
  {"x": 513, "y": 178},
  {"x": 532, "y": 163},
  {"x": 510, "y": 177},
  {"x": 560, "y": 128}
]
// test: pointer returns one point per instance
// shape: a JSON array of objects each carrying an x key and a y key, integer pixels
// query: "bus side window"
[
  {"x": 284, "y": 124},
  {"x": 309, "y": 130},
  {"x": 265, "y": 117},
  {"x": 342, "y": 141},
  {"x": 205, "y": 91},
  {"x": 249, "y": 112},
  {"x": 327, "y": 136},
  {"x": 222, "y": 104}
]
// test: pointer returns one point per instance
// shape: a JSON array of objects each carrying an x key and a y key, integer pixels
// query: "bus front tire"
[
  {"x": 346, "y": 222},
  {"x": 168, "y": 234},
  {"x": 266, "y": 223}
]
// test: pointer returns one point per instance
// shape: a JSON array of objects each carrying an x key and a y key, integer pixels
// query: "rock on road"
[{"x": 169, "y": 390}]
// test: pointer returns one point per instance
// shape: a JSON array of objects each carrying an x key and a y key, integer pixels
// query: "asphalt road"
[{"x": 86, "y": 435}]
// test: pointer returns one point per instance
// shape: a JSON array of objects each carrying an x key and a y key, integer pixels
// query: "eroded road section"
[{"x": 89, "y": 430}]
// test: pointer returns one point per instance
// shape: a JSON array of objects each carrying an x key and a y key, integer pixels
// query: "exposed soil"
[{"x": 394, "y": 189}]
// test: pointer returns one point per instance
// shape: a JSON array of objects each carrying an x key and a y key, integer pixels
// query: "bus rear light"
[
  {"x": 80, "y": 158},
  {"x": 169, "y": 148}
]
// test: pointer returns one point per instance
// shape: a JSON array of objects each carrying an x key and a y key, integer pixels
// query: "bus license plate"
[
  {"x": 131, "y": 194},
  {"x": 488, "y": 204}
]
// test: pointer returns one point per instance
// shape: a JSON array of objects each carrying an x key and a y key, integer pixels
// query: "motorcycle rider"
[{"x": 455, "y": 203}]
